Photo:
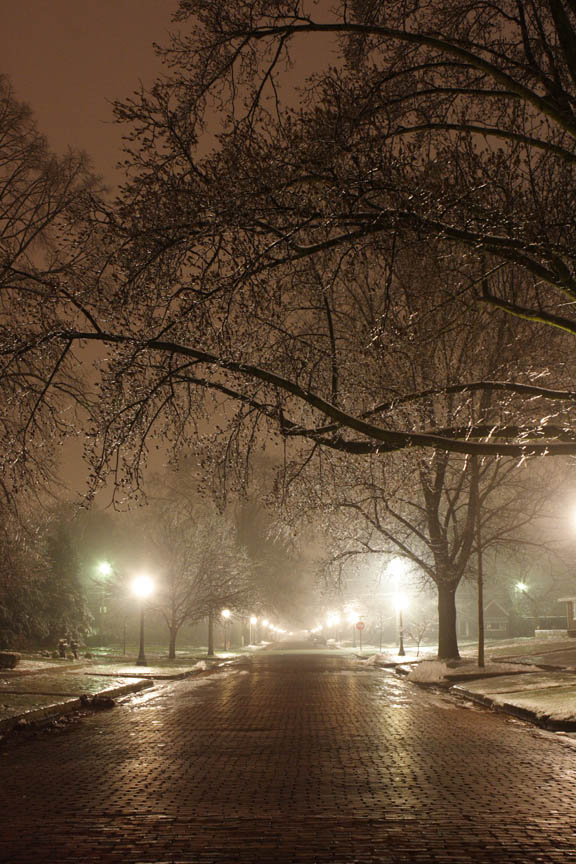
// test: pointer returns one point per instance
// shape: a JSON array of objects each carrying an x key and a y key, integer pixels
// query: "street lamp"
[
  {"x": 253, "y": 622},
  {"x": 352, "y": 618},
  {"x": 332, "y": 622},
  {"x": 104, "y": 569},
  {"x": 397, "y": 570},
  {"x": 226, "y": 613},
  {"x": 142, "y": 587},
  {"x": 400, "y": 601}
]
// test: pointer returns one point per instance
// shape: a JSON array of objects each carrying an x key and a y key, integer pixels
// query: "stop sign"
[{"x": 360, "y": 625}]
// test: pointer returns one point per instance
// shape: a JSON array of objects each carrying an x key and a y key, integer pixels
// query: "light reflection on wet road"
[{"x": 294, "y": 759}]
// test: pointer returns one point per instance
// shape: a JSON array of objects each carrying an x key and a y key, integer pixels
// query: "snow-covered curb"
[{"x": 440, "y": 671}]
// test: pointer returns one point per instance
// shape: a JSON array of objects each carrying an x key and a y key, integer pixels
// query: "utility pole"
[
  {"x": 210, "y": 634},
  {"x": 476, "y": 493}
]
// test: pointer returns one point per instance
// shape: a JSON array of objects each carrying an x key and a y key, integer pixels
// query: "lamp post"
[
  {"x": 142, "y": 587},
  {"x": 400, "y": 606},
  {"x": 104, "y": 570},
  {"x": 397, "y": 570},
  {"x": 226, "y": 616},
  {"x": 352, "y": 618},
  {"x": 253, "y": 622}
]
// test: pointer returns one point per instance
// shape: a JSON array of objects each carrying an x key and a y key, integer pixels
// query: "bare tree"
[
  {"x": 238, "y": 267},
  {"x": 375, "y": 159},
  {"x": 417, "y": 631},
  {"x": 225, "y": 282},
  {"x": 41, "y": 255},
  {"x": 422, "y": 505},
  {"x": 200, "y": 565}
]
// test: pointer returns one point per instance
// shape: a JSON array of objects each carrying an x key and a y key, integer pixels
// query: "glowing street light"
[
  {"x": 253, "y": 622},
  {"x": 352, "y": 618},
  {"x": 400, "y": 601},
  {"x": 142, "y": 587},
  {"x": 226, "y": 615},
  {"x": 397, "y": 569},
  {"x": 104, "y": 570}
]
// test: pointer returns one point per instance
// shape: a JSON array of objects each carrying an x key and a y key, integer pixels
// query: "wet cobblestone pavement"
[{"x": 292, "y": 758}]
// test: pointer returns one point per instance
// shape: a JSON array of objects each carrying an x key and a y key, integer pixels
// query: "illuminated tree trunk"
[
  {"x": 210, "y": 634},
  {"x": 172, "y": 643},
  {"x": 447, "y": 635}
]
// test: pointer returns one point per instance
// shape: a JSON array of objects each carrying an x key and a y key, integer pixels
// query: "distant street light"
[
  {"x": 400, "y": 602},
  {"x": 253, "y": 622},
  {"x": 352, "y": 618},
  {"x": 142, "y": 587},
  {"x": 397, "y": 570},
  {"x": 332, "y": 622},
  {"x": 226, "y": 614},
  {"x": 104, "y": 569}
]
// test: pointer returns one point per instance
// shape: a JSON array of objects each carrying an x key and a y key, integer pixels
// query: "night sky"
[{"x": 68, "y": 59}]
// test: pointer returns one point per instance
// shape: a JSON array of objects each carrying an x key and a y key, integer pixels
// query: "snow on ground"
[
  {"x": 428, "y": 672},
  {"x": 541, "y": 680},
  {"x": 386, "y": 659},
  {"x": 558, "y": 704},
  {"x": 431, "y": 671}
]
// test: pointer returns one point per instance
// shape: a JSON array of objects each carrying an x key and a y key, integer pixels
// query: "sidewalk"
[
  {"x": 535, "y": 681},
  {"x": 40, "y": 691}
]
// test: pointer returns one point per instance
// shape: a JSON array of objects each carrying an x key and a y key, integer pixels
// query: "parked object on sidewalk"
[
  {"x": 9, "y": 659},
  {"x": 97, "y": 701}
]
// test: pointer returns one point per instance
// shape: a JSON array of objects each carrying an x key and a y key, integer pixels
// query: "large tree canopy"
[
  {"x": 42, "y": 261},
  {"x": 260, "y": 229}
]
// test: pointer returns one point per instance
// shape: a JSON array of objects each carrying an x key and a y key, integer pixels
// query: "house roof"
[{"x": 495, "y": 609}]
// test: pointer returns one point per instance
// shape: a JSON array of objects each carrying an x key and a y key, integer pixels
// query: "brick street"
[{"x": 290, "y": 758}]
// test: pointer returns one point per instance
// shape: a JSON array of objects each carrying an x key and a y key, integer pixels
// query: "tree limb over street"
[
  {"x": 382, "y": 440},
  {"x": 255, "y": 265}
]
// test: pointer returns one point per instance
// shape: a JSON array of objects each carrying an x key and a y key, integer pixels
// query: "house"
[
  {"x": 496, "y": 621},
  {"x": 570, "y": 603}
]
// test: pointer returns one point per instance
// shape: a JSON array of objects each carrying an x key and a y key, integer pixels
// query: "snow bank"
[
  {"x": 429, "y": 671},
  {"x": 375, "y": 660}
]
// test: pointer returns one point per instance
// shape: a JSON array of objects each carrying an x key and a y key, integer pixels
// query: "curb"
[
  {"x": 543, "y": 722},
  {"x": 40, "y": 715},
  {"x": 58, "y": 709},
  {"x": 17, "y": 673}
]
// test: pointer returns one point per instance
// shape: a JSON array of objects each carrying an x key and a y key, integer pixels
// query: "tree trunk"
[
  {"x": 447, "y": 636},
  {"x": 173, "y": 630},
  {"x": 210, "y": 635}
]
